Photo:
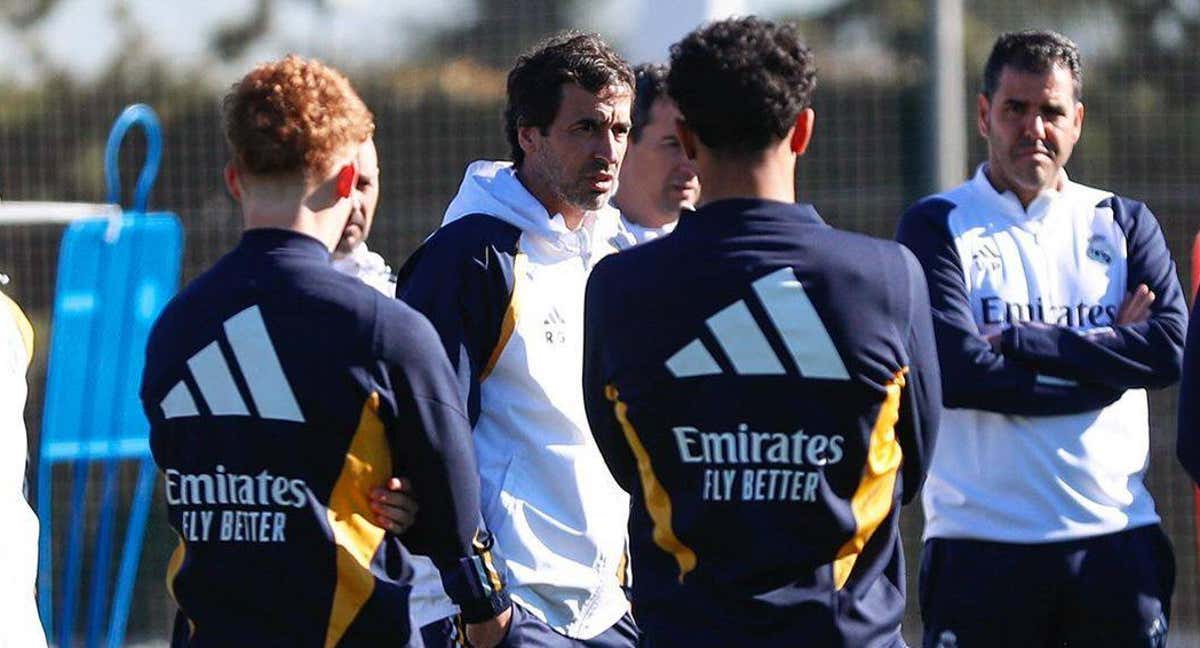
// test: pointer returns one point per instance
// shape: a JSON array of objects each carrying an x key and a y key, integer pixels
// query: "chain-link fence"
[{"x": 438, "y": 108}]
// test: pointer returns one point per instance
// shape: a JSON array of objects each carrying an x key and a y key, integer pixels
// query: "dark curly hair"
[
  {"x": 1036, "y": 52},
  {"x": 741, "y": 83},
  {"x": 535, "y": 82},
  {"x": 651, "y": 85}
]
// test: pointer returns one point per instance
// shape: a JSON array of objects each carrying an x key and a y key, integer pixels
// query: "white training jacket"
[
  {"x": 630, "y": 234},
  {"x": 503, "y": 282},
  {"x": 1047, "y": 440}
]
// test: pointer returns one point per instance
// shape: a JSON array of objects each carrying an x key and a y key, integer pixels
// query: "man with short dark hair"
[
  {"x": 279, "y": 391},
  {"x": 1056, "y": 305},
  {"x": 657, "y": 178},
  {"x": 763, "y": 385},
  {"x": 503, "y": 282}
]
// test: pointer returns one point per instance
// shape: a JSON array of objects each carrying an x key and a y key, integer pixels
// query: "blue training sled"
[{"x": 115, "y": 275}]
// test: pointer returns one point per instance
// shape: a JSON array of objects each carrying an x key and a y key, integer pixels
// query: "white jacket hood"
[{"x": 491, "y": 187}]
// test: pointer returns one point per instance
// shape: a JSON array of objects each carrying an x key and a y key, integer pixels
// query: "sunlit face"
[
  {"x": 657, "y": 178},
  {"x": 579, "y": 156},
  {"x": 1031, "y": 125},
  {"x": 364, "y": 199}
]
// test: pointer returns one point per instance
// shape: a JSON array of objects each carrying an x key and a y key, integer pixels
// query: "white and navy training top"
[
  {"x": 1046, "y": 440},
  {"x": 503, "y": 283}
]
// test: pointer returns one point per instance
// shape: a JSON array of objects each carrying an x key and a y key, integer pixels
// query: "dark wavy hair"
[
  {"x": 651, "y": 85},
  {"x": 1036, "y": 52},
  {"x": 535, "y": 82},
  {"x": 741, "y": 83}
]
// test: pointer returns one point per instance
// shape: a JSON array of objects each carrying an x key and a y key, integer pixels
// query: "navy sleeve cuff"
[
  {"x": 482, "y": 609},
  {"x": 1024, "y": 342},
  {"x": 477, "y": 584}
]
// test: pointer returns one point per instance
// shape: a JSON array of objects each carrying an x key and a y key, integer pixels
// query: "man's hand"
[
  {"x": 994, "y": 341},
  {"x": 1136, "y": 307},
  {"x": 394, "y": 506},
  {"x": 489, "y": 633}
]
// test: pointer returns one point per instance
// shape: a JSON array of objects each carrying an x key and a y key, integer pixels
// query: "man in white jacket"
[
  {"x": 19, "y": 621},
  {"x": 503, "y": 281}
]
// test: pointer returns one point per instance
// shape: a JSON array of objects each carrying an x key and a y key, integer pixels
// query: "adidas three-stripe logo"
[
  {"x": 254, "y": 354},
  {"x": 744, "y": 342},
  {"x": 554, "y": 317}
]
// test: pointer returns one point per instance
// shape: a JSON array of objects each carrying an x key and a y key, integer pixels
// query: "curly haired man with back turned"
[
  {"x": 279, "y": 391},
  {"x": 777, "y": 399}
]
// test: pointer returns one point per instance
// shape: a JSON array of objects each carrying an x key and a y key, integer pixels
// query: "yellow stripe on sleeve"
[
  {"x": 875, "y": 495},
  {"x": 489, "y": 565},
  {"x": 658, "y": 502},
  {"x": 173, "y": 567},
  {"x": 510, "y": 317},
  {"x": 368, "y": 464},
  {"x": 623, "y": 568}
]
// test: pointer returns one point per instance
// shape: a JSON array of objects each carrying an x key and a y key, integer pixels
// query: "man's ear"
[
  {"x": 802, "y": 133},
  {"x": 687, "y": 138},
  {"x": 1077, "y": 122},
  {"x": 233, "y": 180},
  {"x": 527, "y": 138},
  {"x": 982, "y": 107},
  {"x": 346, "y": 178}
]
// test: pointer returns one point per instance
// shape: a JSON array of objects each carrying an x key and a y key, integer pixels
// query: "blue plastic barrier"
[{"x": 115, "y": 275}]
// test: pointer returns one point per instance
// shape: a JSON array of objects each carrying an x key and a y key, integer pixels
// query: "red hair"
[{"x": 294, "y": 115}]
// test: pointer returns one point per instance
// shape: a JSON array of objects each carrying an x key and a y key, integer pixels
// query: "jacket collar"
[
  {"x": 1036, "y": 211},
  {"x": 737, "y": 212},
  {"x": 283, "y": 241},
  {"x": 493, "y": 188}
]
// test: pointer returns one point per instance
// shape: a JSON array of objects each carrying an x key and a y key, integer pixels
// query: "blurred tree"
[
  {"x": 232, "y": 39},
  {"x": 503, "y": 30},
  {"x": 23, "y": 13},
  {"x": 1162, "y": 35}
]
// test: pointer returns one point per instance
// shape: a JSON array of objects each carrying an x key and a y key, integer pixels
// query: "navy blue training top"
[
  {"x": 279, "y": 392},
  {"x": 766, "y": 387}
]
